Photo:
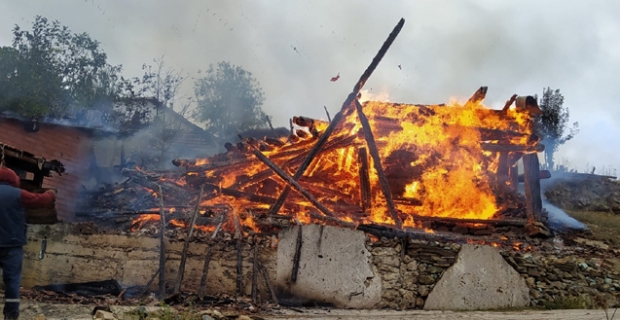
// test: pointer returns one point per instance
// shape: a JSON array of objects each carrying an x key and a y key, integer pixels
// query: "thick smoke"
[
  {"x": 560, "y": 221},
  {"x": 446, "y": 49}
]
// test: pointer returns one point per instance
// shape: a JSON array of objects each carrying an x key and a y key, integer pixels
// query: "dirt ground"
[{"x": 41, "y": 311}]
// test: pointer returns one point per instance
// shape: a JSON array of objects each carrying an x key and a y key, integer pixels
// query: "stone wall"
[
  {"x": 340, "y": 267},
  {"x": 409, "y": 270},
  {"x": 584, "y": 273},
  {"x": 580, "y": 276}
]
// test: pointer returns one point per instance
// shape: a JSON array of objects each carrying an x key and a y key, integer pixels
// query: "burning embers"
[{"x": 453, "y": 161}]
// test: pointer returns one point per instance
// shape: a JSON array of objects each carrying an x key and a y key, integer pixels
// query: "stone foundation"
[
  {"x": 71, "y": 256},
  {"x": 590, "y": 278},
  {"x": 338, "y": 267},
  {"x": 409, "y": 270}
]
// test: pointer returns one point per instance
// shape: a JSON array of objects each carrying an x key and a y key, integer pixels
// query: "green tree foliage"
[
  {"x": 552, "y": 124},
  {"x": 51, "y": 71},
  {"x": 229, "y": 101}
]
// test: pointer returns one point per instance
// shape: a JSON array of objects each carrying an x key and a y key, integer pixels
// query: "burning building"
[
  {"x": 420, "y": 165},
  {"x": 370, "y": 209}
]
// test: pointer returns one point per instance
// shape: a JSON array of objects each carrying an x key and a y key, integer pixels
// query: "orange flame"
[{"x": 432, "y": 155}]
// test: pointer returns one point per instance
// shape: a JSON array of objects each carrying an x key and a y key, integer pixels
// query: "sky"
[{"x": 447, "y": 49}]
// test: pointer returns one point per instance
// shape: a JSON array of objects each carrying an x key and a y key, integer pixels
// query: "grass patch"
[
  {"x": 604, "y": 226},
  {"x": 579, "y": 302}
]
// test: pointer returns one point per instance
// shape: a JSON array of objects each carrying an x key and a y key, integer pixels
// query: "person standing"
[{"x": 13, "y": 201}]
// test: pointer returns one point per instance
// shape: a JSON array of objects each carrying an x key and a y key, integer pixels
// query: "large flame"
[{"x": 432, "y": 156}]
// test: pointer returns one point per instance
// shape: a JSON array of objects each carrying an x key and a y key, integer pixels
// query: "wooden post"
[
  {"x": 362, "y": 157},
  {"x": 514, "y": 177},
  {"x": 329, "y": 119},
  {"x": 503, "y": 174},
  {"x": 297, "y": 256},
  {"x": 376, "y": 159},
  {"x": 188, "y": 238},
  {"x": 162, "y": 247},
  {"x": 239, "y": 237},
  {"x": 255, "y": 272},
  {"x": 263, "y": 271},
  {"x": 208, "y": 256},
  {"x": 531, "y": 174},
  {"x": 339, "y": 116}
]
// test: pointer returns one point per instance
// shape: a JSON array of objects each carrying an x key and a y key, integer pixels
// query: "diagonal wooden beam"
[
  {"x": 292, "y": 183},
  {"x": 340, "y": 115},
  {"x": 376, "y": 159}
]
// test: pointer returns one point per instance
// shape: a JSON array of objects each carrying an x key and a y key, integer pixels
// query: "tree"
[
  {"x": 551, "y": 125},
  {"x": 162, "y": 84},
  {"x": 229, "y": 101},
  {"x": 51, "y": 71}
]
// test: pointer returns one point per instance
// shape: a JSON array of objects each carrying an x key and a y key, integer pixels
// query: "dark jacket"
[{"x": 12, "y": 203}]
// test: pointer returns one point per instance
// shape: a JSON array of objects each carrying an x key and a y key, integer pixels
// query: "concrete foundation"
[
  {"x": 480, "y": 279},
  {"x": 334, "y": 267}
]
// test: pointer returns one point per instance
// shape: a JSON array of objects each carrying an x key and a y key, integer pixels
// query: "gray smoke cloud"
[{"x": 446, "y": 49}]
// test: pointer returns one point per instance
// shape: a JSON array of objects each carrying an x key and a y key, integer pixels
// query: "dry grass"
[{"x": 604, "y": 226}]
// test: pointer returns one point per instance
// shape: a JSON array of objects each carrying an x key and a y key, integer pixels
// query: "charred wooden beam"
[
  {"x": 512, "y": 148},
  {"x": 274, "y": 142},
  {"x": 255, "y": 273},
  {"x": 273, "y": 131},
  {"x": 162, "y": 247},
  {"x": 208, "y": 256},
  {"x": 302, "y": 134},
  {"x": 297, "y": 255},
  {"x": 503, "y": 168},
  {"x": 365, "y": 196},
  {"x": 339, "y": 116},
  {"x": 509, "y": 102},
  {"x": 334, "y": 144},
  {"x": 375, "y": 62},
  {"x": 148, "y": 284},
  {"x": 249, "y": 196},
  {"x": 307, "y": 122},
  {"x": 418, "y": 234},
  {"x": 478, "y": 96},
  {"x": 531, "y": 171},
  {"x": 263, "y": 271},
  {"x": 449, "y": 220},
  {"x": 190, "y": 234},
  {"x": 376, "y": 159},
  {"x": 205, "y": 273},
  {"x": 292, "y": 183},
  {"x": 239, "y": 237},
  {"x": 329, "y": 119},
  {"x": 514, "y": 177},
  {"x": 142, "y": 179},
  {"x": 328, "y": 219},
  {"x": 229, "y": 147}
]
